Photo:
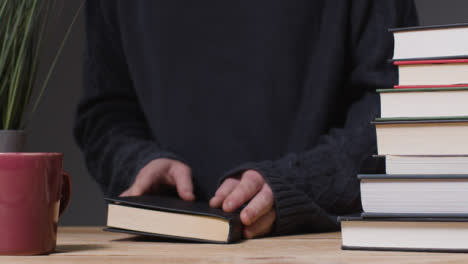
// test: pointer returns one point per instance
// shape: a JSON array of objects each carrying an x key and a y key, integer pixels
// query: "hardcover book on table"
[
  {"x": 163, "y": 216},
  {"x": 429, "y": 234}
]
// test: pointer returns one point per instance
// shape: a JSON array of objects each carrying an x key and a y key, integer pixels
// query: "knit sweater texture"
[{"x": 286, "y": 88}]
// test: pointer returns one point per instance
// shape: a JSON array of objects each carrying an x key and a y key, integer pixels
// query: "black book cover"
[
  {"x": 404, "y": 218},
  {"x": 416, "y": 217},
  {"x": 417, "y": 120},
  {"x": 412, "y": 176},
  {"x": 177, "y": 205},
  {"x": 431, "y": 250},
  {"x": 464, "y": 56},
  {"x": 428, "y": 27}
]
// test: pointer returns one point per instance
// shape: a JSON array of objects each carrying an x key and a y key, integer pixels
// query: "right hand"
[{"x": 163, "y": 172}]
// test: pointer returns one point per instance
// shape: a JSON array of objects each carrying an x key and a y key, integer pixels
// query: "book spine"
[
  {"x": 434, "y": 250},
  {"x": 235, "y": 229},
  {"x": 416, "y": 28},
  {"x": 430, "y": 86},
  {"x": 413, "y": 62}
]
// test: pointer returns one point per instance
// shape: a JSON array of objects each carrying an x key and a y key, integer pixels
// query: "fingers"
[
  {"x": 182, "y": 178},
  {"x": 223, "y": 191},
  {"x": 139, "y": 187},
  {"x": 126, "y": 193},
  {"x": 258, "y": 206},
  {"x": 144, "y": 182},
  {"x": 250, "y": 184},
  {"x": 147, "y": 178},
  {"x": 162, "y": 171},
  {"x": 262, "y": 227}
]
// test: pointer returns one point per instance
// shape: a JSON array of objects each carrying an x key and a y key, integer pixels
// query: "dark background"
[{"x": 51, "y": 127}]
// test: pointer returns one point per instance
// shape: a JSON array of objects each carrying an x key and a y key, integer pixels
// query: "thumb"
[{"x": 182, "y": 176}]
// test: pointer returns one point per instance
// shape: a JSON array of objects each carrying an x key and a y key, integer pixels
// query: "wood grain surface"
[{"x": 91, "y": 245}]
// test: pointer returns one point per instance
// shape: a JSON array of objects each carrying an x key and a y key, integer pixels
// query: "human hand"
[
  {"x": 259, "y": 215},
  {"x": 161, "y": 172}
]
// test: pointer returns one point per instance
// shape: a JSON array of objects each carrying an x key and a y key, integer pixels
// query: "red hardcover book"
[
  {"x": 434, "y": 61},
  {"x": 432, "y": 73}
]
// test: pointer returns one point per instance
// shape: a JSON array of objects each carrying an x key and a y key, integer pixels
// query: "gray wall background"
[{"x": 51, "y": 128}]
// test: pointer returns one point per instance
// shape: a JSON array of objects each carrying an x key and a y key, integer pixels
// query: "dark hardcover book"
[
  {"x": 171, "y": 217},
  {"x": 423, "y": 88},
  {"x": 431, "y": 234},
  {"x": 452, "y": 57},
  {"x": 416, "y": 120},
  {"x": 417, "y": 103},
  {"x": 412, "y": 176},
  {"x": 415, "y": 216},
  {"x": 440, "y": 41},
  {"x": 422, "y": 136},
  {"x": 425, "y": 164},
  {"x": 414, "y": 194},
  {"x": 456, "y": 25},
  {"x": 402, "y": 87}
]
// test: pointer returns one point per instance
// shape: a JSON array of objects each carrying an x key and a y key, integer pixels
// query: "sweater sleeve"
[
  {"x": 313, "y": 187},
  {"x": 110, "y": 127}
]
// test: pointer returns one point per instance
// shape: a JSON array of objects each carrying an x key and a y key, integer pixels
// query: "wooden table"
[{"x": 91, "y": 245}]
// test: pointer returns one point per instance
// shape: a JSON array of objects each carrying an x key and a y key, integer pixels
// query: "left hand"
[{"x": 259, "y": 215}]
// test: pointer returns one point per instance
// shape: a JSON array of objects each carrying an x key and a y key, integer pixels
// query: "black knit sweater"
[{"x": 282, "y": 87}]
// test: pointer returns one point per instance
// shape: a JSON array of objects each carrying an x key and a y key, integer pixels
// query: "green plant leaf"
[
  {"x": 54, "y": 62},
  {"x": 23, "y": 26}
]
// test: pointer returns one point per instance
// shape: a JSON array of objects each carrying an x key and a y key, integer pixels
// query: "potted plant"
[{"x": 23, "y": 25}]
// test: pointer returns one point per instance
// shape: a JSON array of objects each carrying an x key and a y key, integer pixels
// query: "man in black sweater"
[{"x": 265, "y": 103}]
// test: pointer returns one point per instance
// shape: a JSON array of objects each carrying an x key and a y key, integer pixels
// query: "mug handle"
[{"x": 65, "y": 196}]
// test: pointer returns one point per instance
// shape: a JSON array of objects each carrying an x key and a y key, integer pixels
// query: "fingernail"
[
  {"x": 189, "y": 195},
  {"x": 228, "y": 206},
  {"x": 213, "y": 201},
  {"x": 249, "y": 213},
  {"x": 124, "y": 194},
  {"x": 245, "y": 217}
]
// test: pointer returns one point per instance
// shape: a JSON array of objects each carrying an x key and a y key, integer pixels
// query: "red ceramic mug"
[{"x": 34, "y": 193}]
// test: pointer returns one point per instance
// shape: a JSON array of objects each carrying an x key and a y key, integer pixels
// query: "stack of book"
[{"x": 421, "y": 203}]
